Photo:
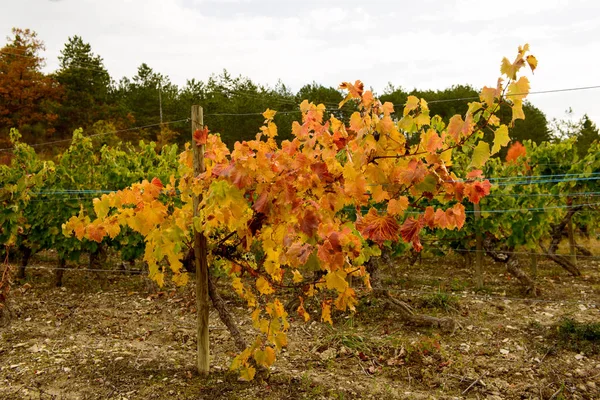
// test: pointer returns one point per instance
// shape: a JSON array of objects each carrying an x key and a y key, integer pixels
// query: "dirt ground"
[{"x": 114, "y": 336}]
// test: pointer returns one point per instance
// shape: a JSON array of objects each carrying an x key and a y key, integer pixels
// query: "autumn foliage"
[
  {"x": 327, "y": 200},
  {"x": 28, "y": 98}
]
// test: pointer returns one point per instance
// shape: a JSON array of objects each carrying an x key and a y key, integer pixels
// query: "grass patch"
[
  {"x": 440, "y": 300},
  {"x": 578, "y": 336}
]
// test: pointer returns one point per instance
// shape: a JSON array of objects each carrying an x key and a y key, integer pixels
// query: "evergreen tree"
[{"x": 86, "y": 85}]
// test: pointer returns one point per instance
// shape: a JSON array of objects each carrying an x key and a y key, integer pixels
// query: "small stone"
[{"x": 504, "y": 351}]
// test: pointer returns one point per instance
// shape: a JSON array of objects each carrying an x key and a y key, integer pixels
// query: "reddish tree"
[{"x": 28, "y": 97}]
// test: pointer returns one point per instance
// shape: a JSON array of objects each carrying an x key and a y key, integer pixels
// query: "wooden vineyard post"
[
  {"x": 571, "y": 235},
  {"x": 200, "y": 255},
  {"x": 479, "y": 247},
  {"x": 534, "y": 265}
]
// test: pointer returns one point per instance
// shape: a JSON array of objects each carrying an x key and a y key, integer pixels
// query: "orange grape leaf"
[
  {"x": 298, "y": 253},
  {"x": 488, "y": 95},
  {"x": 95, "y": 232},
  {"x": 457, "y": 213},
  {"x": 456, "y": 127},
  {"x": 410, "y": 230},
  {"x": 200, "y": 136},
  {"x": 397, "y": 207},
  {"x": 301, "y": 311},
  {"x": 441, "y": 219},
  {"x": 388, "y": 108},
  {"x": 354, "y": 91},
  {"x": 431, "y": 141},
  {"x": 476, "y": 190},
  {"x": 378, "y": 228},
  {"x": 476, "y": 173},
  {"x": 515, "y": 151},
  {"x": 429, "y": 217}
]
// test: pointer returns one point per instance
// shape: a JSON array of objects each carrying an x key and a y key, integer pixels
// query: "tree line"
[{"x": 82, "y": 94}]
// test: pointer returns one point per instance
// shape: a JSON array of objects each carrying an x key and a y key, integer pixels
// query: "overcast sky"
[{"x": 426, "y": 44}]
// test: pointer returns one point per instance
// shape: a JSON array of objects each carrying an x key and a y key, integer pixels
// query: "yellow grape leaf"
[
  {"x": 508, "y": 69},
  {"x": 532, "y": 62},
  {"x": 446, "y": 157},
  {"x": 271, "y": 264},
  {"x": 518, "y": 89},
  {"x": 336, "y": 280},
  {"x": 247, "y": 373},
  {"x": 101, "y": 206},
  {"x": 422, "y": 119},
  {"x": 278, "y": 309},
  {"x": 407, "y": 124},
  {"x": 412, "y": 103},
  {"x": 326, "y": 312},
  {"x": 265, "y": 358},
  {"x": 112, "y": 228},
  {"x": 379, "y": 194},
  {"x": 269, "y": 114},
  {"x": 263, "y": 286},
  {"x": 501, "y": 138},
  {"x": 280, "y": 340},
  {"x": 355, "y": 184},
  {"x": 347, "y": 299},
  {"x": 297, "y": 276},
  {"x": 181, "y": 279},
  {"x": 481, "y": 154}
]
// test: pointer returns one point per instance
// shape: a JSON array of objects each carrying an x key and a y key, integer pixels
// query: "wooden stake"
[
  {"x": 572, "y": 247},
  {"x": 534, "y": 265},
  {"x": 479, "y": 253},
  {"x": 202, "y": 303}
]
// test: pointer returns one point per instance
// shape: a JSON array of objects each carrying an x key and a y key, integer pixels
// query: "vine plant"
[{"x": 274, "y": 213}]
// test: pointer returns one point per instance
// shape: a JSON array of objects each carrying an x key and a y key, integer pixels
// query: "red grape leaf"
[
  {"x": 378, "y": 228},
  {"x": 200, "y": 136},
  {"x": 410, "y": 232}
]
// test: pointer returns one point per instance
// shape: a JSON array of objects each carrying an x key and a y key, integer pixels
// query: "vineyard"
[{"x": 387, "y": 253}]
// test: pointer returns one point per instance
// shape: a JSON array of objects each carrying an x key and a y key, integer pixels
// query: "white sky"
[{"x": 427, "y": 44}]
